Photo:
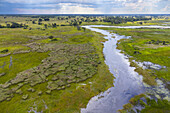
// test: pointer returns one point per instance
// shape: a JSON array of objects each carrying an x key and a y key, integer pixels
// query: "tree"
[
  {"x": 50, "y": 37},
  {"x": 140, "y": 23},
  {"x": 8, "y": 25},
  {"x": 46, "y": 19},
  {"x": 33, "y": 22},
  {"x": 40, "y": 20},
  {"x": 54, "y": 25},
  {"x": 16, "y": 25},
  {"x": 75, "y": 23},
  {"x": 4, "y": 51},
  {"x": 80, "y": 23},
  {"x": 39, "y": 23},
  {"x": 45, "y": 25}
]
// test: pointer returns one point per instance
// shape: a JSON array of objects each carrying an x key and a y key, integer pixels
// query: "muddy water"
[{"x": 127, "y": 83}]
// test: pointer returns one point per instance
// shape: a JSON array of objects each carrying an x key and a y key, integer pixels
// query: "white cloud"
[
  {"x": 65, "y": 8},
  {"x": 166, "y": 8},
  {"x": 53, "y": 1},
  {"x": 45, "y": 5},
  {"x": 69, "y": 8},
  {"x": 141, "y": 6},
  {"x": 93, "y": 6}
]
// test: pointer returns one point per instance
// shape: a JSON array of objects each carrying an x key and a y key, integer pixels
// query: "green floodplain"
[{"x": 52, "y": 64}]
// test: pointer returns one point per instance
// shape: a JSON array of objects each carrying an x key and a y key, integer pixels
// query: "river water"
[{"x": 127, "y": 83}]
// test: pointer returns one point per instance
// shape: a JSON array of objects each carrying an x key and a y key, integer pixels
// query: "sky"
[{"x": 84, "y": 6}]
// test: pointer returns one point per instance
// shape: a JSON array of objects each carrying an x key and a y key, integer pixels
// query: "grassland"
[
  {"x": 51, "y": 75},
  {"x": 62, "y": 73}
]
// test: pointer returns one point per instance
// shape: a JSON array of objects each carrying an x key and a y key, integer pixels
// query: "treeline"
[
  {"x": 110, "y": 19},
  {"x": 14, "y": 25},
  {"x": 119, "y": 20},
  {"x": 74, "y": 20}
]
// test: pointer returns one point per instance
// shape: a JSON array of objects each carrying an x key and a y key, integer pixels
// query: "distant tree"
[
  {"x": 40, "y": 20},
  {"x": 16, "y": 25},
  {"x": 4, "y": 51},
  {"x": 45, "y": 25},
  {"x": 46, "y": 19},
  {"x": 140, "y": 23},
  {"x": 95, "y": 20},
  {"x": 82, "y": 19},
  {"x": 117, "y": 21},
  {"x": 54, "y": 25},
  {"x": 8, "y": 25},
  {"x": 54, "y": 39},
  {"x": 80, "y": 23},
  {"x": 75, "y": 23},
  {"x": 87, "y": 20},
  {"x": 33, "y": 22},
  {"x": 62, "y": 25},
  {"x": 25, "y": 26},
  {"x": 50, "y": 37},
  {"x": 39, "y": 23}
]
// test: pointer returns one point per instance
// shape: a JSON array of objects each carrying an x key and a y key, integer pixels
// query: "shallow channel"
[{"x": 127, "y": 82}]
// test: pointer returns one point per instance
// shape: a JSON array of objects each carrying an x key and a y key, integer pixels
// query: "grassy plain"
[
  {"x": 31, "y": 48},
  {"x": 26, "y": 55}
]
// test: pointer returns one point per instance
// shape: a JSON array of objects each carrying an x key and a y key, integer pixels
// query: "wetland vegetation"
[
  {"x": 147, "y": 46},
  {"x": 51, "y": 64}
]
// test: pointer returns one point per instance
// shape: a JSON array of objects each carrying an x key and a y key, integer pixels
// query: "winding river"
[{"x": 127, "y": 82}]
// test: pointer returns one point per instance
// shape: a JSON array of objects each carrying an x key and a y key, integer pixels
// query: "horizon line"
[{"x": 89, "y": 14}]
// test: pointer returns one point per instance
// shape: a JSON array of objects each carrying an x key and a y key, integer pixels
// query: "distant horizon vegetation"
[{"x": 92, "y": 14}]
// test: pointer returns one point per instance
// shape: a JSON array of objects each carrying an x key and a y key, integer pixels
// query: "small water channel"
[{"x": 127, "y": 83}]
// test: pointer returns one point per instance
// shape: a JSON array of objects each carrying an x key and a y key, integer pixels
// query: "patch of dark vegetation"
[
  {"x": 157, "y": 42},
  {"x": 137, "y": 52},
  {"x": 14, "y": 25},
  {"x": 54, "y": 39},
  {"x": 50, "y": 37},
  {"x": 4, "y": 51}
]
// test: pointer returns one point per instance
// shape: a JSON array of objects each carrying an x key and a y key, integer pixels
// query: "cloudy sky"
[{"x": 84, "y": 6}]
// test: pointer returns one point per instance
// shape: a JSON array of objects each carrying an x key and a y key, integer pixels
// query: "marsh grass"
[{"x": 70, "y": 99}]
